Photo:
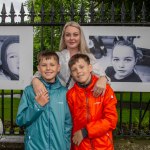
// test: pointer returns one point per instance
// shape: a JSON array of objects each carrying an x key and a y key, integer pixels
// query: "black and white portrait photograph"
[
  {"x": 16, "y": 45},
  {"x": 9, "y": 62},
  {"x": 124, "y": 54}
]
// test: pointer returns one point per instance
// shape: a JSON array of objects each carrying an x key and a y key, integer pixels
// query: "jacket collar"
[
  {"x": 54, "y": 85},
  {"x": 89, "y": 86}
]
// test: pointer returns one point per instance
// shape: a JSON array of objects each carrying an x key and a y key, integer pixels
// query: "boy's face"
[
  {"x": 13, "y": 58},
  {"x": 123, "y": 61},
  {"x": 49, "y": 68},
  {"x": 81, "y": 72}
]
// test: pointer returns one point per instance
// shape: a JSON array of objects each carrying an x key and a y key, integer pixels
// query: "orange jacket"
[{"x": 97, "y": 115}]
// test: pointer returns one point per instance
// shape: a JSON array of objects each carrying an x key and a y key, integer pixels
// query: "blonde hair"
[{"x": 83, "y": 48}]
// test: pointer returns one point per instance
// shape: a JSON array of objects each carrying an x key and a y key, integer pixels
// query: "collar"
[
  {"x": 54, "y": 85},
  {"x": 88, "y": 86},
  {"x": 84, "y": 85}
]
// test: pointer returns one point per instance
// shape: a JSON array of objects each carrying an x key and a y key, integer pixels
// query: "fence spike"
[
  {"x": 32, "y": 13},
  {"x": 22, "y": 13},
  {"x": 52, "y": 14},
  {"x": 143, "y": 13},
  {"x": 102, "y": 12},
  {"x": 12, "y": 13},
  {"x": 123, "y": 13},
  {"x": 82, "y": 13},
  {"x": 112, "y": 13},
  {"x": 133, "y": 13},
  {"x": 42, "y": 13},
  {"x": 72, "y": 12},
  {"x": 3, "y": 12},
  {"x": 92, "y": 12},
  {"x": 62, "y": 13}
]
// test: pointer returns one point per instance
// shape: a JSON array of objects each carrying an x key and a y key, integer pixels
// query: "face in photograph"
[
  {"x": 123, "y": 61},
  {"x": 13, "y": 58}
]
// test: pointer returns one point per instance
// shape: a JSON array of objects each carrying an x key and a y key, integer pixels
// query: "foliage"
[{"x": 54, "y": 13}]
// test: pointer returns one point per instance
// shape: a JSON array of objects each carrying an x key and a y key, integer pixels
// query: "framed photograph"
[
  {"x": 124, "y": 53},
  {"x": 16, "y": 57}
]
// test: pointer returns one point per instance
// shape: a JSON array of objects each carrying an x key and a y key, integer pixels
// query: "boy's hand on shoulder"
[
  {"x": 42, "y": 98},
  {"x": 38, "y": 86},
  {"x": 77, "y": 137},
  {"x": 100, "y": 86}
]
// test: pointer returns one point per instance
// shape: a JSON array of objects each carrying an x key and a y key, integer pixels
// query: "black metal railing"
[{"x": 99, "y": 15}]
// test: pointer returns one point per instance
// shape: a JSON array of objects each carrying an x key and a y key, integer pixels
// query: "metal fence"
[{"x": 133, "y": 107}]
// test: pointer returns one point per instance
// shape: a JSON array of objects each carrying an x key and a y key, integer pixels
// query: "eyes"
[
  {"x": 12, "y": 56},
  {"x": 70, "y": 34},
  {"x": 45, "y": 65},
  {"x": 124, "y": 60},
  {"x": 74, "y": 69}
]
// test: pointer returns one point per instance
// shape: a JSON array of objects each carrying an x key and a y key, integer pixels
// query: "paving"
[{"x": 16, "y": 143}]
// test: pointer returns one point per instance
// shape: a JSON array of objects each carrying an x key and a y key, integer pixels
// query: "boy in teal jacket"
[{"x": 46, "y": 117}]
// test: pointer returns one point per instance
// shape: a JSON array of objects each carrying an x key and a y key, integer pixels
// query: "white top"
[{"x": 64, "y": 74}]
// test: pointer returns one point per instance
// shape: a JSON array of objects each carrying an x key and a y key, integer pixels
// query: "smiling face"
[
  {"x": 81, "y": 71},
  {"x": 49, "y": 68},
  {"x": 123, "y": 61},
  {"x": 72, "y": 37},
  {"x": 13, "y": 58}
]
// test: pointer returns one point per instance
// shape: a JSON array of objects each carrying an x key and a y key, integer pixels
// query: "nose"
[
  {"x": 71, "y": 36},
  {"x": 48, "y": 67},
  {"x": 78, "y": 70},
  {"x": 121, "y": 64}
]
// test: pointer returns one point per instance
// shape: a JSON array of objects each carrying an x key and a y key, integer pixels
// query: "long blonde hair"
[{"x": 83, "y": 48}]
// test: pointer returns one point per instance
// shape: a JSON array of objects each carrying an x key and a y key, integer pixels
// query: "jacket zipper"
[
  {"x": 87, "y": 116},
  {"x": 109, "y": 138}
]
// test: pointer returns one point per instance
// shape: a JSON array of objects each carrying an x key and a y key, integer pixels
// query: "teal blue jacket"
[{"x": 48, "y": 127}]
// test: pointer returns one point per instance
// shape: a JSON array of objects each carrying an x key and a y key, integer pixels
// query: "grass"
[
  {"x": 134, "y": 120},
  {"x": 134, "y": 96},
  {"x": 8, "y": 92},
  {"x": 125, "y": 112},
  {"x": 7, "y": 108}
]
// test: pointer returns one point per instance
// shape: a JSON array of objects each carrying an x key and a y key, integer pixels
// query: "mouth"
[
  {"x": 71, "y": 43},
  {"x": 48, "y": 73},
  {"x": 80, "y": 76},
  {"x": 121, "y": 71}
]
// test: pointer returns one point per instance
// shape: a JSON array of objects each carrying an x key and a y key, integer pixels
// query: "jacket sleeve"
[
  {"x": 70, "y": 103},
  {"x": 109, "y": 116},
  {"x": 36, "y": 75},
  {"x": 68, "y": 127},
  {"x": 28, "y": 111},
  {"x": 71, "y": 106}
]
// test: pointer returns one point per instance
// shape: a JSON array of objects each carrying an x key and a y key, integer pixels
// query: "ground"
[
  {"x": 16, "y": 143},
  {"x": 132, "y": 144}
]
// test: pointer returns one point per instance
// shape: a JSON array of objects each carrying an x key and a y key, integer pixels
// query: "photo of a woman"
[{"x": 9, "y": 69}]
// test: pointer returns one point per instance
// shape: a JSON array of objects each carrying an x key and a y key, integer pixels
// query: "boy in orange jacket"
[{"x": 94, "y": 119}]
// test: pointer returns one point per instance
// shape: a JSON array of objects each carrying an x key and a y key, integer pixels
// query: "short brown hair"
[
  {"x": 75, "y": 58},
  {"x": 47, "y": 55}
]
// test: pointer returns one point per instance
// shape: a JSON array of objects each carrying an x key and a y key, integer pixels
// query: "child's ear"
[
  {"x": 59, "y": 68},
  {"x": 91, "y": 68},
  {"x": 38, "y": 68}
]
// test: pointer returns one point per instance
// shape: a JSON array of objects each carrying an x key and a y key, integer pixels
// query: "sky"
[{"x": 17, "y": 7}]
